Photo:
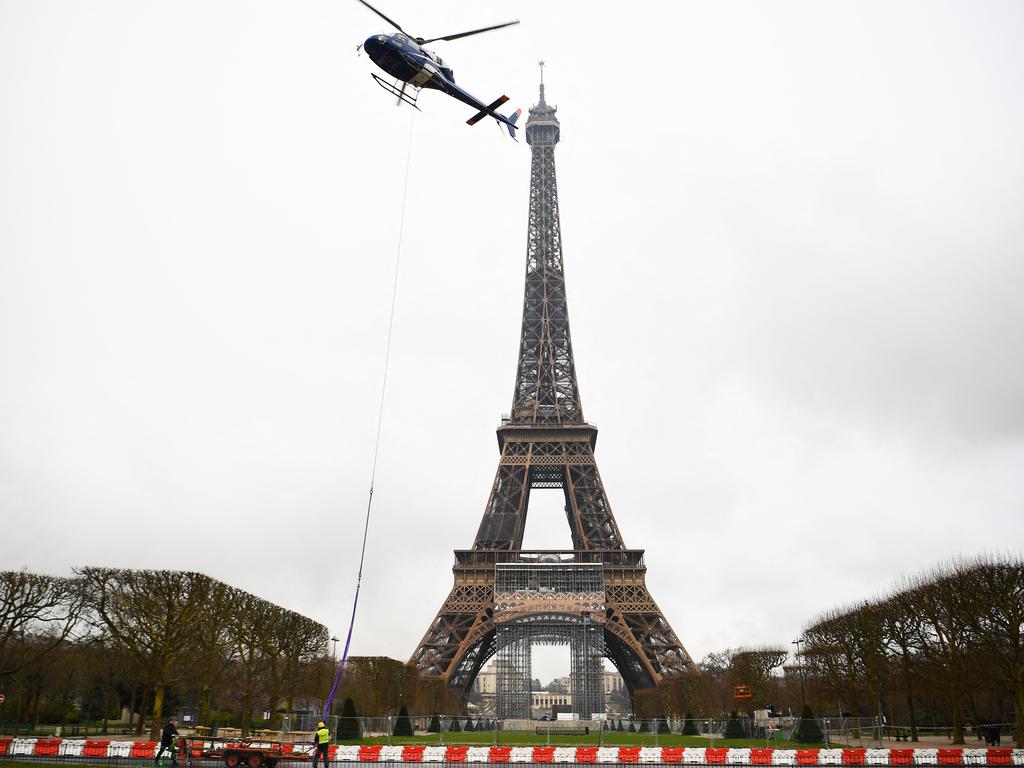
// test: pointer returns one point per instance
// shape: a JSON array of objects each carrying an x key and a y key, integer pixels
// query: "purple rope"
[
  {"x": 344, "y": 658},
  {"x": 380, "y": 421}
]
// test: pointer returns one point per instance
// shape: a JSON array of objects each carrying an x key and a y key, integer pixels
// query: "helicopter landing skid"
[{"x": 399, "y": 93}]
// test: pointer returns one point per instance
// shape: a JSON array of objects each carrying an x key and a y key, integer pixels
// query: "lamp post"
[
  {"x": 334, "y": 649},
  {"x": 803, "y": 699}
]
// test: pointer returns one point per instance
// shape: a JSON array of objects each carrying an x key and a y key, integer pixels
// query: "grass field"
[{"x": 611, "y": 739}]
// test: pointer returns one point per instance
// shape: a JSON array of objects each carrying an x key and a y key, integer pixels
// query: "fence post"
[
  {"x": 441, "y": 719},
  {"x": 389, "y": 730}
]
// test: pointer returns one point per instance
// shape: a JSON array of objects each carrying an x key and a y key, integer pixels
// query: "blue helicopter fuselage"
[{"x": 404, "y": 59}]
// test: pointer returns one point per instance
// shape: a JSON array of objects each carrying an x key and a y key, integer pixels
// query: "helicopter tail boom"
[{"x": 487, "y": 110}]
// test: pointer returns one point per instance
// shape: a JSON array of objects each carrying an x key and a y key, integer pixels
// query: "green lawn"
[{"x": 611, "y": 739}]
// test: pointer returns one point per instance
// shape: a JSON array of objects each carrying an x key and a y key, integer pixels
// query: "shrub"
[
  {"x": 454, "y": 727},
  {"x": 348, "y": 723},
  {"x": 733, "y": 727},
  {"x": 808, "y": 730},
  {"x": 435, "y": 725},
  {"x": 690, "y": 726},
  {"x": 663, "y": 726},
  {"x": 403, "y": 726}
]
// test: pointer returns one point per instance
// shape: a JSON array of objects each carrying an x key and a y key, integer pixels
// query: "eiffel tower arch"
[{"x": 593, "y": 596}]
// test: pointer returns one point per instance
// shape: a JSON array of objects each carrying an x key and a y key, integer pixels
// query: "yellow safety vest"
[{"x": 323, "y": 736}]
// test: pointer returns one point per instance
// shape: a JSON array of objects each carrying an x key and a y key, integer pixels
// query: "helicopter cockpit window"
[{"x": 400, "y": 39}]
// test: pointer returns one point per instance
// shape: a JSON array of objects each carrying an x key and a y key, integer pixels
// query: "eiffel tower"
[{"x": 545, "y": 442}]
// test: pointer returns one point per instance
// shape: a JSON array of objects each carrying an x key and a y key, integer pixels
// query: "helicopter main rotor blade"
[
  {"x": 389, "y": 21},
  {"x": 461, "y": 34}
]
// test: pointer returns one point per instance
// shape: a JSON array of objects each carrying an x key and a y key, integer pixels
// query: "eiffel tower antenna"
[{"x": 592, "y": 596}]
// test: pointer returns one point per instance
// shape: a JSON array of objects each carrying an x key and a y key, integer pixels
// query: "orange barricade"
[
  {"x": 807, "y": 757},
  {"x": 951, "y": 756},
  {"x": 46, "y": 747},
  {"x": 455, "y": 754},
  {"x": 629, "y": 754},
  {"x": 5, "y": 744},
  {"x": 671, "y": 754},
  {"x": 332, "y": 751},
  {"x": 716, "y": 755},
  {"x": 95, "y": 748},
  {"x": 412, "y": 753},
  {"x": 143, "y": 749},
  {"x": 499, "y": 754},
  {"x": 854, "y": 756},
  {"x": 369, "y": 753},
  {"x": 761, "y": 756},
  {"x": 998, "y": 756},
  {"x": 901, "y": 757},
  {"x": 586, "y": 754},
  {"x": 543, "y": 754}
]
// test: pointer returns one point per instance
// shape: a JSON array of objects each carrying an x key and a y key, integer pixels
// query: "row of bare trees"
[
  {"x": 109, "y": 639},
  {"x": 949, "y": 642},
  {"x": 944, "y": 648}
]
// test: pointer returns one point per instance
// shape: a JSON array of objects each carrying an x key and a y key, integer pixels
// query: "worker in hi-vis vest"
[{"x": 321, "y": 742}]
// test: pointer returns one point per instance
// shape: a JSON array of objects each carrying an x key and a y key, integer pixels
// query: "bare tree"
[
  {"x": 37, "y": 613},
  {"x": 152, "y": 615},
  {"x": 993, "y": 593}
]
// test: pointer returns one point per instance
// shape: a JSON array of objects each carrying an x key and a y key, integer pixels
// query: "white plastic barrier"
[
  {"x": 738, "y": 756},
  {"x": 120, "y": 749},
  {"x": 71, "y": 747},
  {"x": 564, "y": 755},
  {"x": 650, "y": 754},
  {"x": 876, "y": 757},
  {"x": 478, "y": 755},
  {"x": 608, "y": 754},
  {"x": 346, "y": 752},
  {"x": 390, "y": 754},
  {"x": 784, "y": 757},
  {"x": 830, "y": 757},
  {"x": 975, "y": 756},
  {"x": 1018, "y": 757},
  {"x": 434, "y": 754},
  {"x": 22, "y": 747},
  {"x": 926, "y": 757},
  {"x": 521, "y": 755},
  {"x": 694, "y": 755}
]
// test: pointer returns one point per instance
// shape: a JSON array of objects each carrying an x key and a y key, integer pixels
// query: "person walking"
[
  {"x": 321, "y": 744},
  {"x": 167, "y": 742}
]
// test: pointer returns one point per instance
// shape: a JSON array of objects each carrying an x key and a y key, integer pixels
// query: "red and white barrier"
[{"x": 707, "y": 756}]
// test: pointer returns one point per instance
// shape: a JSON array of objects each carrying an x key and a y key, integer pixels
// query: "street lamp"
[
  {"x": 334, "y": 649},
  {"x": 803, "y": 699}
]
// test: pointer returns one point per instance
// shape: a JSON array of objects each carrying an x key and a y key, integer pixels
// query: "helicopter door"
[{"x": 424, "y": 75}]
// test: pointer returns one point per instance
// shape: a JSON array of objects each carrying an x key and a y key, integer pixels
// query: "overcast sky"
[{"x": 794, "y": 245}]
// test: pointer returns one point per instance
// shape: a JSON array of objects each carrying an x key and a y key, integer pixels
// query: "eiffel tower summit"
[{"x": 592, "y": 597}]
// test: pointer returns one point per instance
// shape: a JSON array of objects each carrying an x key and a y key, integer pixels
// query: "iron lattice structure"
[{"x": 545, "y": 442}]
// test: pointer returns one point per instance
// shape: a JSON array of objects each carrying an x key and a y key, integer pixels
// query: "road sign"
[{"x": 2, "y": 697}]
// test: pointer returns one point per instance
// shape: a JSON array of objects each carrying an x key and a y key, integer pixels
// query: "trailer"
[{"x": 240, "y": 753}]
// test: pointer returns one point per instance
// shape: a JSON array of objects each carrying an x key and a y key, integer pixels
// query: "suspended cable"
[{"x": 380, "y": 423}]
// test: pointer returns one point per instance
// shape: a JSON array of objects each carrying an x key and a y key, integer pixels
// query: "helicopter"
[{"x": 403, "y": 57}]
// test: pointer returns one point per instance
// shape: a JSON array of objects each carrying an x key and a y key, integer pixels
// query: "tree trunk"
[
  {"x": 143, "y": 710},
  {"x": 1018, "y": 708},
  {"x": 911, "y": 715},
  {"x": 204, "y": 704},
  {"x": 246, "y": 706},
  {"x": 158, "y": 711},
  {"x": 958, "y": 719}
]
